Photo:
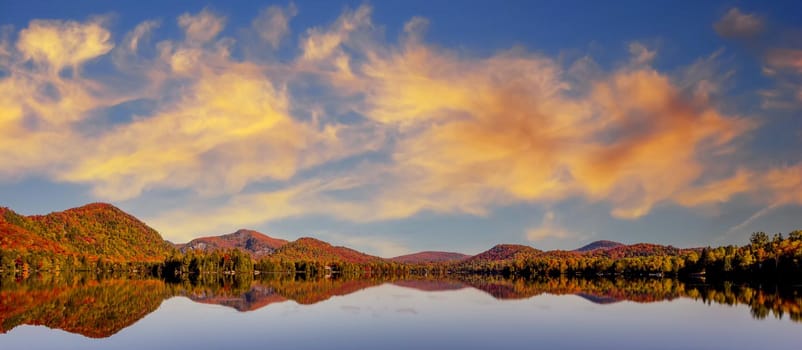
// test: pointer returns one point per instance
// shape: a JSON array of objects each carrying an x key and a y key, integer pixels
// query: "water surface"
[{"x": 465, "y": 312}]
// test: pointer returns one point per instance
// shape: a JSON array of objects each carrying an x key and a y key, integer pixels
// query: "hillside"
[
  {"x": 503, "y": 252},
  {"x": 605, "y": 245},
  {"x": 310, "y": 249},
  {"x": 255, "y": 243},
  {"x": 637, "y": 250},
  {"x": 429, "y": 257},
  {"x": 92, "y": 231}
]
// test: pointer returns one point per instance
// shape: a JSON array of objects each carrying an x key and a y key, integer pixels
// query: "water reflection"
[
  {"x": 91, "y": 306},
  {"x": 100, "y": 306}
]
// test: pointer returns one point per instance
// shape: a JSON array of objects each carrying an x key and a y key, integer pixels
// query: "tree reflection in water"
[{"x": 99, "y": 306}]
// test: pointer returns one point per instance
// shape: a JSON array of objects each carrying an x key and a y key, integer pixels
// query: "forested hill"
[
  {"x": 91, "y": 232},
  {"x": 429, "y": 257},
  {"x": 314, "y": 250},
  {"x": 604, "y": 245},
  {"x": 504, "y": 252},
  {"x": 102, "y": 237},
  {"x": 255, "y": 243}
]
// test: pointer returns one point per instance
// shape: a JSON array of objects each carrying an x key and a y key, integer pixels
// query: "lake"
[{"x": 454, "y": 312}]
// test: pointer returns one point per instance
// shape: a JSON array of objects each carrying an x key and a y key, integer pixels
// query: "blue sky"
[{"x": 395, "y": 127}]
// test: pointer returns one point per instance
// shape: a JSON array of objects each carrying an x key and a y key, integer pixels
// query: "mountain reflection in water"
[{"x": 100, "y": 306}]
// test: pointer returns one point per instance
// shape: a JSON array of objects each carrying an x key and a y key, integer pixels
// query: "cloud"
[
  {"x": 140, "y": 33},
  {"x": 324, "y": 44},
  {"x": 58, "y": 44},
  {"x": 5, "y": 43},
  {"x": 641, "y": 54},
  {"x": 719, "y": 191},
  {"x": 228, "y": 128},
  {"x": 230, "y": 125},
  {"x": 478, "y": 132},
  {"x": 784, "y": 66},
  {"x": 776, "y": 188},
  {"x": 736, "y": 24},
  {"x": 475, "y": 133},
  {"x": 202, "y": 27},
  {"x": 548, "y": 229},
  {"x": 363, "y": 129},
  {"x": 246, "y": 210},
  {"x": 379, "y": 246},
  {"x": 785, "y": 59},
  {"x": 272, "y": 24},
  {"x": 40, "y": 107},
  {"x": 784, "y": 184}
]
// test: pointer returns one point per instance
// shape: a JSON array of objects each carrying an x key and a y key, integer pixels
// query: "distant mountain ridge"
[
  {"x": 255, "y": 243},
  {"x": 429, "y": 257},
  {"x": 602, "y": 244},
  {"x": 100, "y": 230}
]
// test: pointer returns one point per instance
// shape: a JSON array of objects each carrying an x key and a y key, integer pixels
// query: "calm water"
[{"x": 79, "y": 312}]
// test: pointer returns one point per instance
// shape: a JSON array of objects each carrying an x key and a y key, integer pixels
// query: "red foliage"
[
  {"x": 429, "y": 257},
  {"x": 254, "y": 243},
  {"x": 506, "y": 252}
]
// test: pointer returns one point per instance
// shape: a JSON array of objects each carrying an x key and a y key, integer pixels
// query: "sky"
[{"x": 394, "y": 127}]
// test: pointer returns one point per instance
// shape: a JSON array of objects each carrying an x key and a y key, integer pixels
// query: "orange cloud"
[
  {"x": 479, "y": 132},
  {"x": 453, "y": 132},
  {"x": 784, "y": 185}
]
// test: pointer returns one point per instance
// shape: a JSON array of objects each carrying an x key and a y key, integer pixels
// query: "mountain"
[
  {"x": 310, "y": 249},
  {"x": 255, "y": 243},
  {"x": 96, "y": 230},
  {"x": 503, "y": 252},
  {"x": 429, "y": 257},
  {"x": 640, "y": 249},
  {"x": 599, "y": 245}
]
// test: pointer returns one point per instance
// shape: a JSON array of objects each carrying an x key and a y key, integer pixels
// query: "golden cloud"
[
  {"x": 474, "y": 133},
  {"x": 38, "y": 106},
  {"x": 60, "y": 44},
  {"x": 229, "y": 126},
  {"x": 454, "y": 133},
  {"x": 509, "y": 128}
]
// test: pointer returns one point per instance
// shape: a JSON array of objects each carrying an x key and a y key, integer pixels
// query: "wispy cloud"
[
  {"x": 737, "y": 24},
  {"x": 273, "y": 23},
  {"x": 548, "y": 228},
  {"x": 739, "y": 228},
  {"x": 429, "y": 129}
]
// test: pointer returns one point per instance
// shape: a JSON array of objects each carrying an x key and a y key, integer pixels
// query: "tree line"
[{"x": 764, "y": 257}]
